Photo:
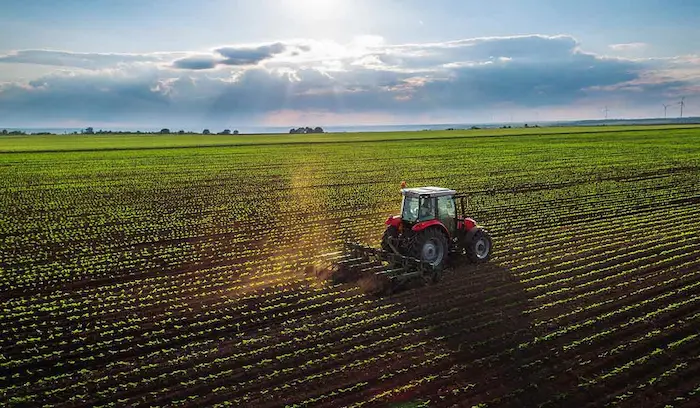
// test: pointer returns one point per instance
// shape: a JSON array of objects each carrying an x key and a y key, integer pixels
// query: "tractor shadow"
[{"x": 476, "y": 314}]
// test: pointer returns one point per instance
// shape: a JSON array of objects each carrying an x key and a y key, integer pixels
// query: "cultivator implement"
[{"x": 377, "y": 270}]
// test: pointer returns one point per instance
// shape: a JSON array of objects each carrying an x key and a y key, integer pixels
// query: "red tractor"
[
  {"x": 427, "y": 235},
  {"x": 430, "y": 228}
]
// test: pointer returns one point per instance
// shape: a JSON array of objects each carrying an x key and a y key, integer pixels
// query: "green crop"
[{"x": 153, "y": 270}]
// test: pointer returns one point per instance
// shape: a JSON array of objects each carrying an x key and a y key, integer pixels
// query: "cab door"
[{"x": 447, "y": 213}]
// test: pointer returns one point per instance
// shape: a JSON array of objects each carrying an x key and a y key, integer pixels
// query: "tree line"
[
  {"x": 12, "y": 132},
  {"x": 305, "y": 130},
  {"x": 164, "y": 131}
]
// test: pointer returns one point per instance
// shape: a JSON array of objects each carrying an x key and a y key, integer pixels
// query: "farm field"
[
  {"x": 150, "y": 272},
  {"x": 52, "y": 143}
]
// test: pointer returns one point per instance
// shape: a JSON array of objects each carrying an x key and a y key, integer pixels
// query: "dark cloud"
[
  {"x": 233, "y": 56},
  {"x": 88, "y": 97},
  {"x": 527, "y": 82},
  {"x": 249, "y": 55},
  {"x": 195, "y": 63}
]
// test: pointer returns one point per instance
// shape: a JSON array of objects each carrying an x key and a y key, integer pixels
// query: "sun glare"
[{"x": 314, "y": 9}]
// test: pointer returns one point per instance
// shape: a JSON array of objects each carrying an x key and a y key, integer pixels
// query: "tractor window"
[
  {"x": 410, "y": 209},
  {"x": 446, "y": 207},
  {"x": 415, "y": 209},
  {"x": 447, "y": 213},
  {"x": 427, "y": 209}
]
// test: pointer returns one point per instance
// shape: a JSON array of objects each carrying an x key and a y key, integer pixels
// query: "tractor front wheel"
[
  {"x": 478, "y": 248},
  {"x": 431, "y": 246}
]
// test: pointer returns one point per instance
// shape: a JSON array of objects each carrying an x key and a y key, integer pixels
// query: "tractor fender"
[
  {"x": 470, "y": 234},
  {"x": 467, "y": 224},
  {"x": 394, "y": 221},
  {"x": 432, "y": 223}
]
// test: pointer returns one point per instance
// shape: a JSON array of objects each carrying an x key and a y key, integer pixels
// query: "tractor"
[
  {"x": 427, "y": 237},
  {"x": 430, "y": 229}
]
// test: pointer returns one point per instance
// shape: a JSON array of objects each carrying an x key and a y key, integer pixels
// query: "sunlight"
[{"x": 314, "y": 9}]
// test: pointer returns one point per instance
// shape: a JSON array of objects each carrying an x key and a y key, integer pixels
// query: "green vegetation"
[
  {"x": 26, "y": 143},
  {"x": 145, "y": 270}
]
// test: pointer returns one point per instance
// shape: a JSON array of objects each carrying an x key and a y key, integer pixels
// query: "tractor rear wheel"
[
  {"x": 478, "y": 248},
  {"x": 431, "y": 246}
]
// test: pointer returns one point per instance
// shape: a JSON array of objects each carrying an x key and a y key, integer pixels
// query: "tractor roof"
[{"x": 427, "y": 191}]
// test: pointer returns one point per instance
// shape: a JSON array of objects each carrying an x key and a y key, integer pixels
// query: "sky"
[{"x": 227, "y": 63}]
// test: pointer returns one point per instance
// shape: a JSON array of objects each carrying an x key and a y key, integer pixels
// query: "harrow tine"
[
  {"x": 377, "y": 269},
  {"x": 391, "y": 272},
  {"x": 362, "y": 266},
  {"x": 350, "y": 261}
]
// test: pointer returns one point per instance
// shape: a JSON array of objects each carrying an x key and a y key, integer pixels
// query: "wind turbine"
[
  {"x": 665, "y": 107},
  {"x": 606, "y": 112},
  {"x": 682, "y": 103}
]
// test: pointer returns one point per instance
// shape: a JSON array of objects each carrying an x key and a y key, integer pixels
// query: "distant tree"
[
  {"x": 318, "y": 129},
  {"x": 165, "y": 131},
  {"x": 235, "y": 132},
  {"x": 89, "y": 131},
  {"x": 4, "y": 131},
  {"x": 225, "y": 132},
  {"x": 180, "y": 132},
  {"x": 292, "y": 131},
  {"x": 206, "y": 132}
]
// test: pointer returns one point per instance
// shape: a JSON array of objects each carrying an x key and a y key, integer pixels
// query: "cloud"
[
  {"x": 365, "y": 78},
  {"x": 196, "y": 62},
  {"x": 250, "y": 55},
  {"x": 81, "y": 60},
  {"x": 635, "y": 46},
  {"x": 230, "y": 55},
  {"x": 236, "y": 56},
  {"x": 662, "y": 79},
  {"x": 533, "y": 48}
]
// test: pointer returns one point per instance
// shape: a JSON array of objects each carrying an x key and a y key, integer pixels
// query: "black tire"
[
  {"x": 390, "y": 232},
  {"x": 479, "y": 246},
  {"x": 431, "y": 246}
]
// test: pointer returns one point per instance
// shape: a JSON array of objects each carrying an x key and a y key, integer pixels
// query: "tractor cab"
[{"x": 423, "y": 204}]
